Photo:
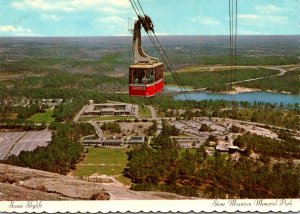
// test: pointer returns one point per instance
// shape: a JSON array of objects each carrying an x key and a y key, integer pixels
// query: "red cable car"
[{"x": 146, "y": 72}]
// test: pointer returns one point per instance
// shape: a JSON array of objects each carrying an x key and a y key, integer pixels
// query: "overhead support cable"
[
  {"x": 163, "y": 55},
  {"x": 233, "y": 18}
]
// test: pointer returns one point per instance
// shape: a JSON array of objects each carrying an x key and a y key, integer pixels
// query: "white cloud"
[
  {"x": 248, "y": 17},
  {"x": 267, "y": 9},
  {"x": 51, "y": 17},
  {"x": 205, "y": 20},
  {"x": 32, "y": 4},
  {"x": 262, "y": 19},
  {"x": 278, "y": 19},
  {"x": 161, "y": 34},
  {"x": 110, "y": 10},
  {"x": 265, "y": 16},
  {"x": 250, "y": 32},
  {"x": 14, "y": 29},
  {"x": 112, "y": 25},
  {"x": 69, "y": 5},
  {"x": 112, "y": 20}
]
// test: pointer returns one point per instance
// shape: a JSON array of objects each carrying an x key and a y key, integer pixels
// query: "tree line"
[
  {"x": 166, "y": 167},
  {"x": 289, "y": 148},
  {"x": 111, "y": 126},
  {"x": 218, "y": 80}
]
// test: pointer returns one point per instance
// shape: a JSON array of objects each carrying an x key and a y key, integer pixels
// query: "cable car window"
[
  {"x": 149, "y": 76},
  {"x": 139, "y": 76},
  {"x": 158, "y": 73}
]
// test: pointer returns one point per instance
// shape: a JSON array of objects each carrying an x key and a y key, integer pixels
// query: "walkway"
[
  {"x": 153, "y": 112},
  {"x": 76, "y": 118}
]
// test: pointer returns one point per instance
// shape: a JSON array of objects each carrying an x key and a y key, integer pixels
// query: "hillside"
[{"x": 17, "y": 183}]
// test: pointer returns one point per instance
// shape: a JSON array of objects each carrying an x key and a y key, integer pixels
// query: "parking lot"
[{"x": 12, "y": 143}]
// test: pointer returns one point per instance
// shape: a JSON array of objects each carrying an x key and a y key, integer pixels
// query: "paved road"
[
  {"x": 76, "y": 118},
  {"x": 281, "y": 72},
  {"x": 153, "y": 112},
  {"x": 293, "y": 68},
  {"x": 98, "y": 130},
  {"x": 159, "y": 127}
]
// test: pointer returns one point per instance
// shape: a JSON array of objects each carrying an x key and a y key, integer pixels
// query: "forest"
[
  {"x": 288, "y": 148},
  {"x": 194, "y": 173},
  {"x": 218, "y": 80},
  {"x": 74, "y": 99},
  {"x": 114, "y": 127},
  {"x": 278, "y": 83}
]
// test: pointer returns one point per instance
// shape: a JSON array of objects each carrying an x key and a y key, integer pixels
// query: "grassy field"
[
  {"x": 104, "y": 161},
  {"x": 144, "y": 112},
  {"x": 47, "y": 117}
]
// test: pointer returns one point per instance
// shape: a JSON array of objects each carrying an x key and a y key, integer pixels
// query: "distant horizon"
[
  {"x": 144, "y": 36},
  {"x": 79, "y": 18}
]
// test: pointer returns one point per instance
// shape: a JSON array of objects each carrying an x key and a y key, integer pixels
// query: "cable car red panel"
[
  {"x": 145, "y": 80},
  {"x": 146, "y": 90}
]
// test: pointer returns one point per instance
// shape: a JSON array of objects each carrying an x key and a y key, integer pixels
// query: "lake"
[{"x": 258, "y": 96}]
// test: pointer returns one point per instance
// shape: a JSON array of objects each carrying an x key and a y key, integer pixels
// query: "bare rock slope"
[{"x": 17, "y": 183}]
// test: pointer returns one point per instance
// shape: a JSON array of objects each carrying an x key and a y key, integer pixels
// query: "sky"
[{"x": 170, "y": 17}]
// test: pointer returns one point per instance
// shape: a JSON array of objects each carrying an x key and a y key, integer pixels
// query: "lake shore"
[{"x": 239, "y": 89}]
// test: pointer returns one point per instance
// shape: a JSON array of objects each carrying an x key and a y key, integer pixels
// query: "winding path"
[{"x": 281, "y": 73}]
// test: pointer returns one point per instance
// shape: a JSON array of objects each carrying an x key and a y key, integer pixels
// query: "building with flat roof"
[
  {"x": 136, "y": 140},
  {"x": 185, "y": 139},
  {"x": 118, "y": 141},
  {"x": 108, "y": 141},
  {"x": 222, "y": 148},
  {"x": 112, "y": 109}
]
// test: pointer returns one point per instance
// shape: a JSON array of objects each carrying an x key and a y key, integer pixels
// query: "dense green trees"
[
  {"x": 218, "y": 80},
  {"x": 26, "y": 112},
  {"x": 205, "y": 128},
  {"x": 21, "y": 125},
  {"x": 236, "y": 129},
  {"x": 289, "y": 148},
  {"x": 165, "y": 167},
  {"x": 278, "y": 83},
  {"x": 152, "y": 129},
  {"x": 74, "y": 99},
  {"x": 248, "y": 178},
  {"x": 68, "y": 109},
  {"x": 111, "y": 126}
]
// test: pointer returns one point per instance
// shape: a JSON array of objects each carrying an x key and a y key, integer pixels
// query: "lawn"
[
  {"x": 144, "y": 112},
  {"x": 104, "y": 161},
  {"x": 47, "y": 117}
]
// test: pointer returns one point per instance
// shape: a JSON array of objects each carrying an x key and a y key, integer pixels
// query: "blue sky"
[{"x": 170, "y": 17}]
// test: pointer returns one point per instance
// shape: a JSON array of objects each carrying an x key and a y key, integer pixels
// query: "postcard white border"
[{"x": 203, "y": 205}]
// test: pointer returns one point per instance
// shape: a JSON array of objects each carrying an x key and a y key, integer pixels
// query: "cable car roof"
[{"x": 146, "y": 65}]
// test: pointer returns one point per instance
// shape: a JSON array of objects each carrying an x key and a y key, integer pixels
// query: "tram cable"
[
  {"x": 235, "y": 43},
  {"x": 233, "y": 11},
  {"x": 164, "y": 57}
]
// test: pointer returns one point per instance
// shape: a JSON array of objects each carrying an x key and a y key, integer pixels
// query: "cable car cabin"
[
  {"x": 146, "y": 72},
  {"x": 146, "y": 80}
]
